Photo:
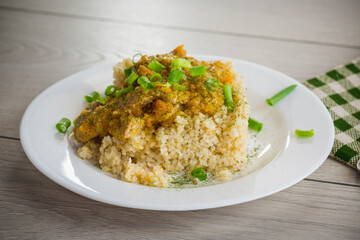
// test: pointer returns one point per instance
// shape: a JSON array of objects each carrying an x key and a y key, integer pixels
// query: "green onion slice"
[
  {"x": 180, "y": 63},
  {"x": 199, "y": 173},
  {"x": 212, "y": 84},
  {"x": 198, "y": 71},
  {"x": 156, "y": 66},
  {"x": 227, "y": 88},
  {"x": 304, "y": 133},
  {"x": 63, "y": 125},
  {"x": 110, "y": 90},
  {"x": 179, "y": 87},
  {"x": 132, "y": 78},
  {"x": 124, "y": 91},
  {"x": 175, "y": 76},
  {"x": 145, "y": 83},
  {"x": 253, "y": 124},
  {"x": 156, "y": 77},
  {"x": 128, "y": 71},
  {"x": 280, "y": 95},
  {"x": 93, "y": 96},
  {"x": 135, "y": 57},
  {"x": 101, "y": 100}
]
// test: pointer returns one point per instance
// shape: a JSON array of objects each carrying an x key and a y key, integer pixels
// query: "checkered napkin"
[{"x": 339, "y": 90}]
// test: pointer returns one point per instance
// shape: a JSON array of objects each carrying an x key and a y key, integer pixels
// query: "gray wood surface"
[{"x": 42, "y": 42}]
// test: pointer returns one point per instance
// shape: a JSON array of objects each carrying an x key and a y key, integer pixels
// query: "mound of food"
[{"x": 170, "y": 114}]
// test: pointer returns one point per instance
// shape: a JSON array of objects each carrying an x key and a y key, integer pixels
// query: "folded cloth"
[{"x": 339, "y": 90}]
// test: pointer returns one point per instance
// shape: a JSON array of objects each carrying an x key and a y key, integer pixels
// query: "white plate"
[{"x": 291, "y": 159}]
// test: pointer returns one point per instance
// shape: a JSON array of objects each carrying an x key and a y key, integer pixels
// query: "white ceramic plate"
[{"x": 288, "y": 159}]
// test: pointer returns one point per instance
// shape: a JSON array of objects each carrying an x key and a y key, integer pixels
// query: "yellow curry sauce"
[{"x": 123, "y": 116}]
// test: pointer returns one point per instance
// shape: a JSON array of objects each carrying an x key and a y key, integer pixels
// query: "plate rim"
[{"x": 24, "y": 139}]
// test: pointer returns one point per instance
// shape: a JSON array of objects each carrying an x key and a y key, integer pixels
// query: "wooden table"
[{"x": 45, "y": 41}]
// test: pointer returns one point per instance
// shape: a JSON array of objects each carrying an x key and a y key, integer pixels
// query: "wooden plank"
[
  {"x": 336, "y": 172},
  {"x": 35, "y": 54},
  {"x": 38, "y": 50},
  {"x": 28, "y": 65},
  {"x": 34, "y": 207},
  {"x": 326, "y": 21}
]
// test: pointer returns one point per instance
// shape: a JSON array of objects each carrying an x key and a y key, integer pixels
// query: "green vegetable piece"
[
  {"x": 304, "y": 133},
  {"x": 128, "y": 71},
  {"x": 180, "y": 63},
  {"x": 212, "y": 84},
  {"x": 227, "y": 88},
  {"x": 101, "y": 100},
  {"x": 124, "y": 91},
  {"x": 132, "y": 78},
  {"x": 156, "y": 77},
  {"x": 156, "y": 66},
  {"x": 93, "y": 96},
  {"x": 179, "y": 87},
  {"x": 110, "y": 90},
  {"x": 280, "y": 95},
  {"x": 199, "y": 173},
  {"x": 88, "y": 99},
  {"x": 175, "y": 76},
  {"x": 145, "y": 83},
  {"x": 198, "y": 71},
  {"x": 63, "y": 125},
  {"x": 135, "y": 56},
  {"x": 253, "y": 124}
]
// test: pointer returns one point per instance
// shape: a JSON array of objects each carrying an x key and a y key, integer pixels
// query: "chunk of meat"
[
  {"x": 144, "y": 71},
  {"x": 133, "y": 127},
  {"x": 163, "y": 110},
  {"x": 92, "y": 123}
]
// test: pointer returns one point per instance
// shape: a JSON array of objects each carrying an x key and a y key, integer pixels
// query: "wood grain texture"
[
  {"x": 42, "y": 42},
  {"x": 39, "y": 50},
  {"x": 325, "y": 21},
  {"x": 34, "y": 207}
]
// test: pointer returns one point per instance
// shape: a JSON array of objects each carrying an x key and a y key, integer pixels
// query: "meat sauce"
[{"x": 124, "y": 116}]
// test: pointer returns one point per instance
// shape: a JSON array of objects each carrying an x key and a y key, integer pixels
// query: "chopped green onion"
[
  {"x": 175, "y": 76},
  {"x": 227, "y": 88},
  {"x": 199, "y": 173},
  {"x": 128, "y": 71},
  {"x": 198, "y": 71},
  {"x": 145, "y": 83},
  {"x": 133, "y": 59},
  {"x": 179, "y": 87},
  {"x": 212, "y": 84},
  {"x": 156, "y": 77},
  {"x": 88, "y": 99},
  {"x": 94, "y": 96},
  {"x": 101, "y": 100},
  {"x": 253, "y": 124},
  {"x": 280, "y": 95},
  {"x": 181, "y": 63},
  {"x": 110, "y": 90},
  {"x": 304, "y": 133},
  {"x": 132, "y": 78},
  {"x": 124, "y": 91},
  {"x": 63, "y": 125},
  {"x": 156, "y": 66}
]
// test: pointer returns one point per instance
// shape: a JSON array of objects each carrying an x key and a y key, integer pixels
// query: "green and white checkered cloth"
[{"x": 339, "y": 90}]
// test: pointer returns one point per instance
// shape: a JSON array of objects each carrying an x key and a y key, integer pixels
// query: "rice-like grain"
[{"x": 217, "y": 143}]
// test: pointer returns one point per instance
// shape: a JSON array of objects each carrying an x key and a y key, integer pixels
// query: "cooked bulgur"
[{"x": 146, "y": 136}]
